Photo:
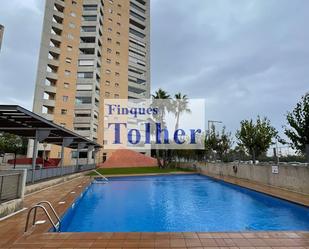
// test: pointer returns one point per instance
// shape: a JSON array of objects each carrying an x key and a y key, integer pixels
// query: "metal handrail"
[
  {"x": 100, "y": 175},
  {"x": 53, "y": 210},
  {"x": 33, "y": 222}
]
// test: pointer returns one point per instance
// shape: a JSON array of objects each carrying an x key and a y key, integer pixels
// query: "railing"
[
  {"x": 10, "y": 184},
  {"x": 42, "y": 174}
]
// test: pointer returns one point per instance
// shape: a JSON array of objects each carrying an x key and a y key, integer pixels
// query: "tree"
[
  {"x": 298, "y": 121},
  {"x": 257, "y": 137},
  {"x": 163, "y": 107},
  {"x": 221, "y": 143},
  {"x": 181, "y": 103},
  {"x": 12, "y": 144}
]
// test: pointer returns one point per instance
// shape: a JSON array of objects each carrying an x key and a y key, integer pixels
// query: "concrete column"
[
  {"x": 79, "y": 147},
  {"x": 34, "y": 155},
  {"x": 65, "y": 143},
  {"x": 22, "y": 186},
  {"x": 89, "y": 155},
  {"x": 40, "y": 135}
]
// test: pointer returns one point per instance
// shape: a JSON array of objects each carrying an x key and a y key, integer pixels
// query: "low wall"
[
  {"x": 49, "y": 183},
  {"x": 12, "y": 189},
  {"x": 295, "y": 178}
]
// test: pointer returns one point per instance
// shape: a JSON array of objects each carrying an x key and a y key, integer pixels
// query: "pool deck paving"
[{"x": 12, "y": 231}]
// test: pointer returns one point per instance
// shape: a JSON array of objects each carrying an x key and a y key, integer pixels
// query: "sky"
[{"x": 245, "y": 57}]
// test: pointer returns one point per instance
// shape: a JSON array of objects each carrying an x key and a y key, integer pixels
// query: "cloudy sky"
[{"x": 245, "y": 57}]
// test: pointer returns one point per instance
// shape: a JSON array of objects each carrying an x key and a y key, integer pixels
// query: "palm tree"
[
  {"x": 163, "y": 106},
  {"x": 181, "y": 104}
]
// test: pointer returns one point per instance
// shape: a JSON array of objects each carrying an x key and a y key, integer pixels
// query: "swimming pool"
[{"x": 179, "y": 203}]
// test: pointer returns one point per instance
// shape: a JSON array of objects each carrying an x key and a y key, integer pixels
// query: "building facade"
[
  {"x": 1, "y": 34},
  {"x": 90, "y": 50}
]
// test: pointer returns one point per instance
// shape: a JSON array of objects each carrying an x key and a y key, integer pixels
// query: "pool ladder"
[
  {"x": 40, "y": 205},
  {"x": 100, "y": 175}
]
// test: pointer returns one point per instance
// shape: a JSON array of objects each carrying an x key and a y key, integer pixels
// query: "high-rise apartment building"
[
  {"x": 1, "y": 34},
  {"x": 90, "y": 50}
]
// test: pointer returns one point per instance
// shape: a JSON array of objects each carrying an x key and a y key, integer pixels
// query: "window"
[
  {"x": 82, "y": 115},
  {"x": 107, "y": 94},
  {"x": 107, "y": 83},
  {"x": 70, "y": 37},
  {"x": 132, "y": 13},
  {"x": 67, "y": 73},
  {"x": 118, "y": 33},
  {"x": 134, "y": 6},
  {"x": 118, "y": 43},
  {"x": 73, "y": 14},
  {"x": 68, "y": 60},
  {"x": 74, "y": 2},
  {"x": 64, "y": 111},
  {"x": 109, "y": 50},
  {"x": 117, "y": 53},
  {"x": 117, "y": 63},
  {"x": 109, "y": 40},
  {"x": 119, "y": 24},
  {"x": 116, "y": 96},
  {"x": 110, "y": 19},
  {"x": 108, "y": 71},
  {"x": 89, "y": 28},
  {"x": 118, "y": 14},
  {"x": 90, "y": 18},
  {"x": 66, "y": 85},
  {"x": 110, "y": 11},
  {"x": 85, "y": 75},
  {"x": 119, "y": 5},
  {"x": 117, "y": 74},
  {"x": 86, "y": 62},
  {"x": 109, "y": 29},
  {"x": 69, "y": 48},
  {"x": 82, "y": 129},
  {"x": 116, "y": 84},
  {"x": 108, "y": 61},
  {"x": 72, "y": 25},
  {"x": 83, "y": 100},
  {"x": 137, "y": 33},
  {"x": 65, "y": 98},
  {"x": 90, "y": 7}
]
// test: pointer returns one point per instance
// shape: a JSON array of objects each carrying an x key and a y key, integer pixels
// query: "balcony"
[
  {"x": 60, "y": 3},
  {"x": 52, "y": 62},
  {"x": 58, "y": 13},
  {"x": 58, "y": 26},
  {"x": 50, "y": 89},
  {"x": 49, "y": 117},
  {"x": 136, "y": 96},
  {"x": 138, "y": 76},
  {"x": 142, "y": 87},
  {"x": 48, "y": 103},
  {"x": 82, "y": 120},
  {"x": 55, "y": 50},
  {"x": 55, "y": 37},
  {"x": 52, "y": 75}
]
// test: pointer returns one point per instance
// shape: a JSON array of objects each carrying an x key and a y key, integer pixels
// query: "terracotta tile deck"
[{"x": 12, "y": 236}]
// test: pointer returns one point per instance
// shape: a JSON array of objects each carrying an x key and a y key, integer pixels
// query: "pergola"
[{"x": 19, "y": 121}]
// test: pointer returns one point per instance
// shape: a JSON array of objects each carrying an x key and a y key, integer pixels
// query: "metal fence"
[
  {"x": 42, "y": 174},
  {"x": 10, "y": 184}
]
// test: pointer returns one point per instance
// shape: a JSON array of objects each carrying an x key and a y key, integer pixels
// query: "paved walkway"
[
  {"x": 299, "y": 198},
  {"x": 12, "y": 236}
]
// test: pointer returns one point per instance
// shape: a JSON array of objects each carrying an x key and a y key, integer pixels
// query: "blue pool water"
[{"x": 179, "y": 203}]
